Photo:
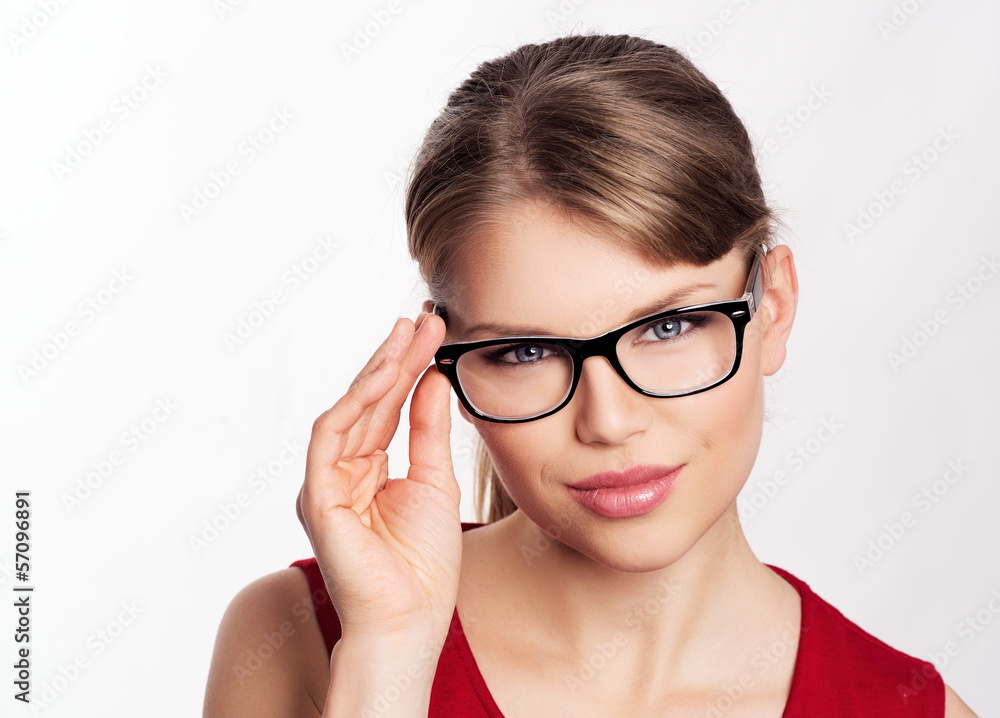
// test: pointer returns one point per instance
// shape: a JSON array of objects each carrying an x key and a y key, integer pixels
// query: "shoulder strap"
[
  {"x": 841, "y": 669},
  {"x": 329, "y": 623}
]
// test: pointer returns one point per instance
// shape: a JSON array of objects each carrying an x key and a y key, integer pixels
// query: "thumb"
[{"x": 430, "y": 431}]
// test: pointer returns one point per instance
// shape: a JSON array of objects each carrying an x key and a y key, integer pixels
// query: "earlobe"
[{"x": 781, "y": 296}]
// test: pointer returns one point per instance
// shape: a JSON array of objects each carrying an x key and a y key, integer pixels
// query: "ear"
[
  {"x": 427, "y": 306},
  {"x": 777, "y": 306}
]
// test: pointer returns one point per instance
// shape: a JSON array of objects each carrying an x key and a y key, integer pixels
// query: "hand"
[{"x": 389, "y": 549}]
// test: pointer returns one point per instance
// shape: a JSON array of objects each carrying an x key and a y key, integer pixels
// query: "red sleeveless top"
[{"x": 840, "y": 669}]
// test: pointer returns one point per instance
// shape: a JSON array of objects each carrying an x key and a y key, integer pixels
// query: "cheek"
[
  {"x": 464, "y": 413},
  {"x": 727, "y": 422},
  {"x": 738, "y": 428},
  {"x": 519, "y": 453}
]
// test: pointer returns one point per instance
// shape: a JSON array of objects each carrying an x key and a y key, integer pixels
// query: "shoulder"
[
  {"x": 269, "y": 655},
  {"x": 954, "y": 707}
]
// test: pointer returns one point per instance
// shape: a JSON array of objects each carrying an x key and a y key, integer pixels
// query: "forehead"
[{"x": 538, "y": 269}]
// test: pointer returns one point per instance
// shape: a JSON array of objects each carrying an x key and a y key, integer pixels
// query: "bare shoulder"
[
  {"x": 954, "y": 707},
  {"x": 269, "y": 657}
]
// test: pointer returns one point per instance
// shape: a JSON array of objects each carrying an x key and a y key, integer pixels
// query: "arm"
[
  {"x": 383, "y": 679},
  {"x": 954, "y": 707},
  {"x": 269, "y": 661},
  {"x": 249, "y": 676}
]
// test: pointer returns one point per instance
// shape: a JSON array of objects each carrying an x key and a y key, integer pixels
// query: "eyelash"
[{"x": 694, "y": 321}]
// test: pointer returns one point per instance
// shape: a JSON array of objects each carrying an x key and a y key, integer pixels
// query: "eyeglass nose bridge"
[{"x": 605, "y": 346}]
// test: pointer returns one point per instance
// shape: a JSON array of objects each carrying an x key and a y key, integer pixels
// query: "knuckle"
[
  {"x": 309, "y": 516},
  {"x": 372, "y": 363},
  {"x": 319, "y": 423},
  {"x": 302, "y": 519}
]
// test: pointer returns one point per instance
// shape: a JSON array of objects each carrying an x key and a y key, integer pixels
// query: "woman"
[{"x": 582, "y": 189}]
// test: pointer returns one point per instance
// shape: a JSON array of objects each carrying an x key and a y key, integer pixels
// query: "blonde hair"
[{"x": 624, "y": 134}]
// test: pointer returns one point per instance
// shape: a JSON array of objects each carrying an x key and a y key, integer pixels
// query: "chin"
[
  {"x": 627, "y": 557},
  {"x": 626, "y": 545}
]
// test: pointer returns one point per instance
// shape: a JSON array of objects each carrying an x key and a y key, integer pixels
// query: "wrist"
[{"x": 382, "y": 677}]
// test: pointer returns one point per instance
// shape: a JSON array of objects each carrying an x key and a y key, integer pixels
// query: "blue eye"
[
  {"x": 674, "y": 327},
  {"x": 522, "y": 354}
]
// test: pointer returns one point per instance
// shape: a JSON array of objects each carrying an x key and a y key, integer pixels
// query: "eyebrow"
[{"x": 661, "y": 304}]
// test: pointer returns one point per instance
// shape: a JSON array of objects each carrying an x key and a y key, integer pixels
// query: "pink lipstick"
[{"x": 633, "y": 492}]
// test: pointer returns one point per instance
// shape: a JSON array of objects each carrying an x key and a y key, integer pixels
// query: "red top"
[{"x": 840, "y": 669}]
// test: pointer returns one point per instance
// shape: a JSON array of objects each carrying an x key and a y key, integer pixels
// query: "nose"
[{"x": 608, "y": 410}]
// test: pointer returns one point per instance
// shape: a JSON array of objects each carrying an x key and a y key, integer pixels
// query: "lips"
[
  {"x": 623, "y": 494},
  {"x": 620, "y": 479}
]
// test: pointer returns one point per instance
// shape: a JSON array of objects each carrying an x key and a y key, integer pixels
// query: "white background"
[{"x": 883, "y": 81}]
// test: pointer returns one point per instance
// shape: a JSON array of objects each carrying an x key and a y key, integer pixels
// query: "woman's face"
[{"x": 540, "y": 270}]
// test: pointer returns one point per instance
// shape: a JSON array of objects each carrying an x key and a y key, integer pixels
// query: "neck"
[{"x": 673, "y": 624}]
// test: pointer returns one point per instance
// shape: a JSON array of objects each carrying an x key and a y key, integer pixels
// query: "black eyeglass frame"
[{"x": 739, "y": 311}]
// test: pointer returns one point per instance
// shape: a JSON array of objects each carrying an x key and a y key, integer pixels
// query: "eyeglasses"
[{"x": 675, "y": 353}]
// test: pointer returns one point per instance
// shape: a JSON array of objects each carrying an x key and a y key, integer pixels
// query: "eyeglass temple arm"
[{"x": 755, "y": 283}]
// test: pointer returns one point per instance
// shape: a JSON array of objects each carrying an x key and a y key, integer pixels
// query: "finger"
[
  {"x": 331, "y": 430},
  {"x": 376, "y": 399},
  {"x": 388, "y": 348},
  {"x": 430, "y": 431},
  {"x": 394, "y": 348},
  {"x": 373, "y": 480},
  {"x": 335, "y": 531},
  {"x": 365, "y": 477},
  {"x": 348, "y": 484},
  {"x": 331, "y": 487},
  {"x": 359, "y": 441},
  {"x": 417, "y": 351}
]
